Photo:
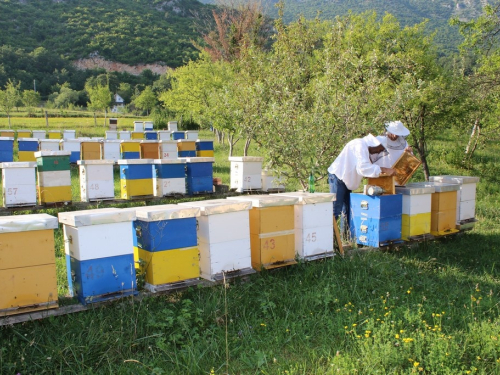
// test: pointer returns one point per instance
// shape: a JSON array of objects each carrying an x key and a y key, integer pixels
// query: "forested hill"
[{"x": 128, "y": 31}]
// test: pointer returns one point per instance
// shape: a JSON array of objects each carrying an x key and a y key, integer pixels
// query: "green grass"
[{"x": 431, "y": 308}]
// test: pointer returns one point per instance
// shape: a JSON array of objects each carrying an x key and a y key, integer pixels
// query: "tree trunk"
[
  {"x": 105, "y": 117},
  {"x": 474, "y": 137},
  {"x": 46, "y": 119},
  {"x": 247, "y": 145},
  {"x": 8, "y": 116},
  {"x": 95, "y": 120},
  {"x": 230, "y": 140}
]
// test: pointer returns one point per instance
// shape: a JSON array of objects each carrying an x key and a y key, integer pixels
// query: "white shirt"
[
  {"x": 353, "y": 163},
  {"x": 394, "y": 150}
]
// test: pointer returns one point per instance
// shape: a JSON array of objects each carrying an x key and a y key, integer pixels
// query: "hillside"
[{"x": 128, "y": 31}]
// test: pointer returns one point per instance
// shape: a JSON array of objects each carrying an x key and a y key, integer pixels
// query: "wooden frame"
[{"x": 405, "y": 167}]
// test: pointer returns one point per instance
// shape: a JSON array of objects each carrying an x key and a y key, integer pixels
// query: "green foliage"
[
  {"x": 9, "y": 97},
  {"x": 146, "y": 100}
]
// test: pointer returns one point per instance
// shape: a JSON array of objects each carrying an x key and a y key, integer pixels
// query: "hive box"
[
  {"x": 168, "y": 149},
  {"x": 166, "y": 246},
  {"x": 73, "y": 146},
  {"x": 416, "y": 217},
  {"x": 164, "y": 135},
  {"x": 6, "y": 149},
  {"x": 169, "y": 177},
  {"x": 137, "y": 135},
  {"x": 313, "y": 222},
  {"x": 138, "y": 126},
  {"x": 136, "y": 178},
  {"x": 54, "y": 177},
  {"x": 99, "y": 253},
  {"x": 54, "y": 134},
  {"x": 172, "y": 126},
  {"x": 130, "y": 149},
  {"x": 270, "y": 182},
  {"x": 199, "y": 175},
  {"x": 148, "y": 125},
  {"x": 150, "y": 149},
  {"x": 205, "y": 148},
  {"x": 39, "y": 134},
  {"x": 19, "y": 184},
  {"x": 23, "y": 133},
  {"x": 90, "y": 150},
  {"x": 443, "y": 208},
  {"x": 376, "y": 220},
  {"x": 223, "y": 238},
  {"x": 111, "y": 134},
  {"x": 111, "y": 149},
  {"x": 186, "y": 148},
  {"x": 96, "y": 180},
  {"x": 246, "y": 173},
  {"x": 27, "y": 268},
  {"x": 50, "y": 144},
  {"x": 69, "y": 134},
  {"x": 151, "y": 135},
  {"x": 272, "y": 230},
  {"x": 124, "y": 134},
  {"x": 191, "y": 135},
  {"x": 27, "y": 148}
]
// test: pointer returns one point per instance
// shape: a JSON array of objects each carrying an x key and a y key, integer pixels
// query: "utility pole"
[{"x": 34, "y": 85}]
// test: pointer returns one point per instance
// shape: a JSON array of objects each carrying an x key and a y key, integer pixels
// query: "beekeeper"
[
  {"x": 349, "y": 168},
  {"x": 395, "y": 136}
]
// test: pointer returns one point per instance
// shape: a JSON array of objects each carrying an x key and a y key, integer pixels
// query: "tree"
[
  {"x": 65, "y": 97},
  {"x": 30, "y": 99},
  {"x": 9, "y": 97},
  {"x": 100, "y": 98},
  {"x": 146, "y": 100}
]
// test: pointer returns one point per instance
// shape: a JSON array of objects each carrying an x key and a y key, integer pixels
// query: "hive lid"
[
  {"x": 52, "y": 153},
  {"x": 455, "y": 179},
  {"x": 54, "y": 131},
  {"x": 131, "y": 140},
  {"x": 267, "y": 200},
  {"x": 185, "y": 140},
  {"x": 70, "y": 140},
  {"x": 310, "y": 198},
  {"x": 168, "y": 161},
  {"x": 96, "y": 217},
  {"x": 167, "y": 141},
  {"x": 205, "y": 140},
  {"x": 18, "y": 164},
  {"x": 439, "y": 186},
  {"x": 415, "y": 188},
  {"x": 149, "y": 141},
  {"x": 246, "y": 158},
  {"x": 6, "y": 138},
  {"x": 165, "y": 212},
  {"x": 112, "y": 141},
  {"x": 95, "y": 162},
  {"x": 219, "y": 206},
  {"x": 134, "y": 161},
  {"x": 49, "y": 140},
  {"x": 27, "y": 139},
  {"x": 25, "y": 223},
  {"x": 198, "y": 160}
]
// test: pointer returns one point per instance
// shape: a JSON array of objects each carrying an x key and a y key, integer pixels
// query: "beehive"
[
  {"x": 7, "y": 133},
  {"x": 49, "y": 144},
  {"x": 130, "y": 149},
  {"x": 124, "y": 135},
  {"x": 27, "y": 148},
  {"x": 272, "y": 230},
  {"x": 148, "y": 125},
  {"x": 54, "y": 134},
  {"x": 443, "y": 208},
  {"x": 168, "y": 149},
  {"x": 169, "y": 177},
  {"x": 111, "y": 134},
  {"x": 204, "y": 148},
  {"x": 223, "y": 238},
  {"x": 466, "y": 196},
  {"x": 416, "y": 217},
  {"x": 23, "y": 133},
  {"x": 39, "y": 134},
  {"x": 176, "y": 135},
  {"x": 99, "y": 253},
  {"x": 151, "y": 135},
  {"x": 27, "y": 267},
  {"x": 90, "y": 150},
  {"x": 138, "y": 126},
  {"x": 376, "y": 220},
  {"x": 136, "y": 178},
  {"x": 191, "y": 135},
  {"x": 199, "y": 175},
  {"x": 19, "y": 184},
  {"x": 167, "y": 252},
  {"x": 246, "y": 173},
  {"x": 150, "y": 149},
  {"x": 172, "y": 126},
  {"x": 111, "y": 149},
  {"x": 270, "y": 182},
  {"x": 73, "y": 146},
  {"x": 6, "y": 149},
  {"x": 69, "y": 134},
  {"x": 186, "y": 148},
  {"x": 54, "y": 177},
  {"x": 137, "y": 135},
  {"x": 164, "y": 135},
  {"x": 313, "y": 222},
  {"x": 96, "y": 180}
]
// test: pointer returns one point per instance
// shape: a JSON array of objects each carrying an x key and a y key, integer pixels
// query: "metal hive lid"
[
  {"x": 267, "y": 200},
  {"x": 165, "y": 212},
  {"x": 219, "y": 206},
  {"x": 96, "y": 216},
  {"x": 415, "y": 188},
  {"x": 439, "y": 186},
  {"x": 310, "y": 198},
  {"x": 25, "y": 223},
  {"x": 455, "y": 179}
]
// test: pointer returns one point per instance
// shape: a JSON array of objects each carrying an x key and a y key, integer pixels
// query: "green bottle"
[{"x": 311, "y": 182}]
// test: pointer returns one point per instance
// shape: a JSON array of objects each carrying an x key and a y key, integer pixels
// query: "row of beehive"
[
  {"x": 138, "y": 178},
  {"x": 170, "y": 245},
  {"x": 94, "y": 149},
  {"x": 439, "y": 207},
  {"x": 39, "y": 134}
]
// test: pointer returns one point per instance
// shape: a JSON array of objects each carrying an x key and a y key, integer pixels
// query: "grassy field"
[{"x": 430, "y": 308}]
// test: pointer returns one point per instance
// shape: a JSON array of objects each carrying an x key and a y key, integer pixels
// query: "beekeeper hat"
[
  {"x": 372, "y": 141},
  {"x": 397, "y": 128}
]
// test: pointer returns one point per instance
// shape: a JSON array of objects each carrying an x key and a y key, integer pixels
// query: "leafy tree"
[
  {"x": 146, "y": 100},
  {"x": 100, "y": 98},
  {"x": 65, "y": 97},
  {"x": 9, "y": 97},
  {"x": 125, "y": 91},
  {"x": 30, "y": 99}
]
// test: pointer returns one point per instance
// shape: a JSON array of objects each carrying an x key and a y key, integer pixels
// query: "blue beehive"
[
  {"x": 6, "y": 149},
  {"x": 151, "y": 135},
  {"x": 199, "y": 175},
  {"x": 178, "y": 135},
  {"x": 204, "y": 145},
  {"x": 187, "y": 154},
  {"x": 376, "y": 220}
]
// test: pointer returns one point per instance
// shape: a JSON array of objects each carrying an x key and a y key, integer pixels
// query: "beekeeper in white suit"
[{"x": 395, "y": 133}]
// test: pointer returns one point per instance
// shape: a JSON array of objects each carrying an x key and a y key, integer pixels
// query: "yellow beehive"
[
  {"x": 186, "y": 145},
  {"x": 27, "y": 267},
  {"x": 205, "y": 154},
  {"x": 7, "y": 133},
  {"x": 272, "y": 230},
  {"x": 137, "y": 135},
  {"x": 54, "y": 134},
  {"x": 23, "y": 133},
  {"x": 90, "y": 150},
  {"x": 444, "y": 208}
]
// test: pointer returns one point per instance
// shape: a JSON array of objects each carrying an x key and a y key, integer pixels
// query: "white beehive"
[
  {"x": 138, "y": 126},
  {"x": 313, "y": 219},
  {"x": 270, "y": 182},
  {"x": 191, "y": 135},
  {"x": 39, "y": 134},
  {"x": 164, "y": 135},
  {"x": 69, "y": 134},
  {"x": 96, "y": 180},
  {"x": 169, "y": 177},
  {"x": 49, "y": 145},
  {"x": 19, "y": 184},
  {"x": 111, "y": 134},
  {"x": 246, "y": 173},
  {"x": 223, "y": 238},
  {"x": 172, "y": 126},
  {"x": 111, "y": 149},
  {"x": 148, "y": 125},
  {"x": 124, "y": 134},
  {"x": 168, "y": 149}
]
